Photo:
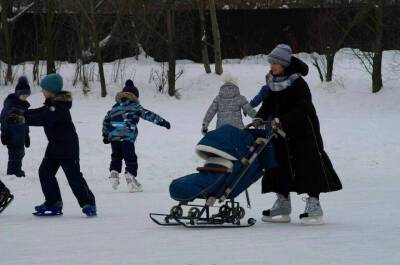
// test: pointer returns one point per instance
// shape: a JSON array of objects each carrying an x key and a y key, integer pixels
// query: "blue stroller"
[{"x": 234, "y": 159}]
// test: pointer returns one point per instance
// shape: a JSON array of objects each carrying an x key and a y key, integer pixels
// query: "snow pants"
[
  {"x": 15, "y": 155},
  {"x": 124, "y": 151},
  {"x": 47, "y": 174}
]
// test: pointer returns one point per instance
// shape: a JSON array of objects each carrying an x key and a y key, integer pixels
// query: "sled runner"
[{"x": 234, "y": 159}]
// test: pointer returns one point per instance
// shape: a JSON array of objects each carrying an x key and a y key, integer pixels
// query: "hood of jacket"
[
  {"x": 122, "y": 97},
  {"x": 62, "y": 99},
  {"x": 229, "y": 90}
]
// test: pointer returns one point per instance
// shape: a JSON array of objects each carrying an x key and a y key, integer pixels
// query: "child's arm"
[
  {"x": 212, "y": 110},
  {"x": 45, "y": 115},
  {"x": 247, "y": 109},
  {"x": 153, "y": 117},
  {"x": 106, "y": 127},
  {"x": 259, "y": 98}
]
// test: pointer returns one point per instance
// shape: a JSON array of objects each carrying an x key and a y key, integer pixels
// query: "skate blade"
[
  {"x": 133, "y": 189},
  {"x": 46, "y": 214},
  {"x": 276, "y": 219},
  {"x": 317, "y": 220}
]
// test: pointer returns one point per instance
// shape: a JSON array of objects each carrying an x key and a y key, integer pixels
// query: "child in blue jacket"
[
  {"x": 120, "y": 129},
  {"x": 14, "y": 133}
]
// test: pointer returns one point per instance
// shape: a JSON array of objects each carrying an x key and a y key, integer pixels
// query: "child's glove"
[
  {"x": 27, "y": 141},
  {"x": 4, "y": 139},
  {"x": 204, "y": 129},
  {"x": 15, "y": 117},
  {"x": 105, "y": 140},
  {"x": 165, "y": 124}
]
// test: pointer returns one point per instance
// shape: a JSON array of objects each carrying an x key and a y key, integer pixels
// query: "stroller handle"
[{"x": 262, "y": 123}]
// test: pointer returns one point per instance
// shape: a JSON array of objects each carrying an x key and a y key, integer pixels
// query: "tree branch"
[{"x": 22, "y": 12}]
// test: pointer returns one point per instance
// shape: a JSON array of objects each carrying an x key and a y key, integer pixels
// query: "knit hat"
[
  {"x": 130, "y": 88},
  {"x": 52, "y": 83},
  {"x": 22, "y": 87},
  {"x": 281, "y": 55}
]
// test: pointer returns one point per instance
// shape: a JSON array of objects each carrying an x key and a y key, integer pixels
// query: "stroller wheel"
[
  {"x": 194, "y": 212},
  {"x": 176, "y": 211},
  {"x": 240, "y": 213},
  {"x": 251, "y": 221},
  {"x": 225, "y": 210}
]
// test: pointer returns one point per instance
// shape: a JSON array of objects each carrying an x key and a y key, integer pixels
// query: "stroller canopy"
[{"x": 227, "y": 142}]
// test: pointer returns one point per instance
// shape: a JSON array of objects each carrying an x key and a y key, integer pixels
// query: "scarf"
[{"x": 279, "y": 83}]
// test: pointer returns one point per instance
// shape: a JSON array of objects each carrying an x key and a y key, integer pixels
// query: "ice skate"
[
  {"x": 5, "y": 199},
  {"x": 89, "y": 210},
  {"x": 114, "y": 179},
  {"x": 280, "y": 211},
  {"x": 48, "y": 210},
  {"x": 313, "y": 214},
  {"x": 132, "y": 183}
]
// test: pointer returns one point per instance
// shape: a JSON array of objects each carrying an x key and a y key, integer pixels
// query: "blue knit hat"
[
  {"x": 23, "y": 87},
  {"x": 52, "y": 83},
  {"x": 282, "y": 55},
  {"x": 130, "y": 87}
]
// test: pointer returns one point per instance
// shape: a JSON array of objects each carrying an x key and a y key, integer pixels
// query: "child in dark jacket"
[
  {"x": 120, "y": 129},
  {"x": 62, "y": 149},
  {"x": 5, "y": 197},
  {"x": 14, "y": 133}
]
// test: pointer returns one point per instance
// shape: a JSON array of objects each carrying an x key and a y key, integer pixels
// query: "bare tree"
[
  {"x": 89, "y": 9},
  {"x": 217, "y": 39},
  {"x": 8, "y": 19},
  {"x": 373, "y": 13},
  {"x": 204, "y": 43},
  {"x": 170, "y": 22}
]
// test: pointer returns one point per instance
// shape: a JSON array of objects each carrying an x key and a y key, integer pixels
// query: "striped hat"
[{"x": 281, "y": 55}]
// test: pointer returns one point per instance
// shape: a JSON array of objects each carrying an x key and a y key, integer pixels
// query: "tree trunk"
[
  {"x": 217, "y": 39},
  {"x": 330, "y": 59},
  {"x": 171, "y": 48},
  {"x": 6, "y": 7},
  {"x": 50, "y": 58},
  {"x": 97, "y": 49},
  {"x": 377, "y": 82},
  {"x": 204, "y": 46}
]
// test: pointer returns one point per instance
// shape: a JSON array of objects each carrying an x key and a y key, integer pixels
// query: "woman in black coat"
[{"x": 304, "y": 166}]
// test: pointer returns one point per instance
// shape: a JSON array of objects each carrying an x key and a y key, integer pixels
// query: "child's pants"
[
  {"x": 15, "y": 155},
  {"x": 126, "y": 151},
  {"x": 47, "y": 174}
]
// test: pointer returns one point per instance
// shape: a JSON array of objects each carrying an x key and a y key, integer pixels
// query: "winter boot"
[
  {"x": 280, "y": 211},
  {"x": 132, "y": 183},
  {"x": 114, "y": 179},
  {"x": 48, "y": 210},
  {"x": 313, "y": 214},
  {"x": 5, "y": 199},
  {"x": 89, "y": 210}
]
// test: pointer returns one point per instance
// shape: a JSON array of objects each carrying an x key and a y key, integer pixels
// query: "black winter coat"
[
  {"x": 301, "y": 156},
  {"x": 16, "y": 134},
  {"x": 56, "y": 119}
]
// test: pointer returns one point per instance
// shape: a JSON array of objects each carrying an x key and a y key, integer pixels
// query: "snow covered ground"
[{"x": 360, "y": 131}]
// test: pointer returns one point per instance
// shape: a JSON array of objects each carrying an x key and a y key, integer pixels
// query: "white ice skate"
[
  {"x": 114, "y": 179},
  {"x": 280, "y": 211},
  {"x": 132, "y": 183},
  {"x": 313, "y": 214}
]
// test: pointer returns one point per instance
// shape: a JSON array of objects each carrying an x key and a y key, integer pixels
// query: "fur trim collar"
[
  {"x": 121, "y": 96},
  {"x": 63, "y": 96}
]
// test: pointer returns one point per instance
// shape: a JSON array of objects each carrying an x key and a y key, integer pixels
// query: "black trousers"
[
  {"x": 124, "y": 151},
  {"x": 47, "y": 174},
  {"x": 15, "y": 156}
]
